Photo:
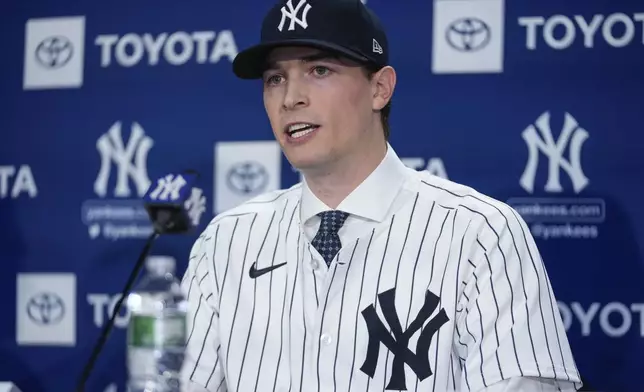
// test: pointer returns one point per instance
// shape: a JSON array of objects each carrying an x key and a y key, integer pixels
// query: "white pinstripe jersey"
[{"x": 448, "y": 293}]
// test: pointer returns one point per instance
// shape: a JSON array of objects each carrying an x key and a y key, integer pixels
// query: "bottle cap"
[{"x": 161, "y": 264}]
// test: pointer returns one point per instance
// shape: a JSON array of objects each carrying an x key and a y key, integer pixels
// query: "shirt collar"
[{"x": 385, "y": 182}]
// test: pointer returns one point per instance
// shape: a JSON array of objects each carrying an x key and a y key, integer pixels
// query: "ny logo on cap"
[{"x": 292, "y": 13}]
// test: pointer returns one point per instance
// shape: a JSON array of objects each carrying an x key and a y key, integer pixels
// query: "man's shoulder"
[
  {"x": 264, "y": 204},
  {"x": 464, "y": 198}
]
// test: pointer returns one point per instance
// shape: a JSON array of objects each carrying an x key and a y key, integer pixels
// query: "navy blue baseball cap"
[{"x": 344, "y": 27}]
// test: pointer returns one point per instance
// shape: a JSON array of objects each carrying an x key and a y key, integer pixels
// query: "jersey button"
[
  {"x": 326, "y": 339},
  {"x": 314, "y": 264}
]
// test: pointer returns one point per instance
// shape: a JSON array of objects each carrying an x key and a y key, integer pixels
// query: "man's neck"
[{"x": 334, "y": 184}]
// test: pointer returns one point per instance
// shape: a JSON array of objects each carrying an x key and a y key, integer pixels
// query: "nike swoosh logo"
[{"x": 255, "y": 273}]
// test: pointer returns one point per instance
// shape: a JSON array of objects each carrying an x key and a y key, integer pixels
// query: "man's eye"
[
  {"x": 274, "y": 79},
  {"x": 320, "y": 70}
]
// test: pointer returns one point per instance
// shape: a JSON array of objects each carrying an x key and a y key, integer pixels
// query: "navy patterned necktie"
[{"x": 326, "y": 241}]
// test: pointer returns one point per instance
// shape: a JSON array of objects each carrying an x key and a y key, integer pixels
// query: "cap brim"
[{"x": 251, "y": 63}]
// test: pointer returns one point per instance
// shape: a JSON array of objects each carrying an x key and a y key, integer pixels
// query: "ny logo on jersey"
[
  {"x": 168, "y": 188},
  {"x": 571, "y": 136},
  {"x": 195, "y": 205},
  {"x": 398, "y": 344},
  {"x": 291, "y": 13},
  {"x": 130, "y": 160}
]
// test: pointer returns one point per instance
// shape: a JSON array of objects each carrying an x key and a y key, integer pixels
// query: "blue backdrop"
[{"x": 538, "y": 104}]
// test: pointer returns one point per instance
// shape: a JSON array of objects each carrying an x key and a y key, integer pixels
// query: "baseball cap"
[{"x": 344, "y": 27}]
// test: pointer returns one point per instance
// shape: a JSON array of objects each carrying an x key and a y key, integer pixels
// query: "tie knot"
[{"x": 332, "y": 220}]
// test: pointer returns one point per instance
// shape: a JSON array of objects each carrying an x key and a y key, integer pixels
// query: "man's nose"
[{"x": 296, "y": 94}]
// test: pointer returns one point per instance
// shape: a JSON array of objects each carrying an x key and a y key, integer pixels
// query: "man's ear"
[{"x": 383, "y": 84}]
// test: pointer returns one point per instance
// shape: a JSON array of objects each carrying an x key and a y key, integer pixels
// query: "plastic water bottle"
[{"x": 156, "y": 334}]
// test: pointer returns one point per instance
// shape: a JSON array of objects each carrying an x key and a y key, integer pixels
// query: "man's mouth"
[{"x": 297, "y": 130}]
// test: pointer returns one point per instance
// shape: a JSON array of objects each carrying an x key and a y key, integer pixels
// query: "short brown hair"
[{"x": 385, "y": 111}]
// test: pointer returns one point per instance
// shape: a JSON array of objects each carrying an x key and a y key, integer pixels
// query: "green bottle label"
[{"x": 150, "y": 331}]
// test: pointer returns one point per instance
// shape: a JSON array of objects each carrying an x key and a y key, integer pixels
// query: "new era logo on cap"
[
  {"x": 376, "y": 47},
  {"x": 294, "y": 15}
]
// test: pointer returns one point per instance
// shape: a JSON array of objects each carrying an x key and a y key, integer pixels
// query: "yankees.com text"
[{"x": 553, "y": 210}]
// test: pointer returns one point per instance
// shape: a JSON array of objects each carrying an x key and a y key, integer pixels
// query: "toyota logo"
[
  {"x": 247, "y": 177},
  {"x": 468, "y": 34},
  {"x": 45, "y": 308},
  {"x": 54, "y": 52}
]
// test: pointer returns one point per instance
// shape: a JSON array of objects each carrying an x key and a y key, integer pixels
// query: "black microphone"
[{"x": 174, "y": 206}]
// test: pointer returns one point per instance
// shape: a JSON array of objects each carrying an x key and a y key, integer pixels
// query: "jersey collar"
[{"x": 372, "y": 199}]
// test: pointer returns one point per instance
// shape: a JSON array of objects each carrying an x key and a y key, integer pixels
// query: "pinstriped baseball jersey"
[{"x": 447, "y": 292}]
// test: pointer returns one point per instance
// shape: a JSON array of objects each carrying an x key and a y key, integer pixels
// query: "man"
[{"x": 368, "y": 275}]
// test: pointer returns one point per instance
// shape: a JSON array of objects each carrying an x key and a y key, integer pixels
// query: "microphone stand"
[{"x": 102, "y": 339}]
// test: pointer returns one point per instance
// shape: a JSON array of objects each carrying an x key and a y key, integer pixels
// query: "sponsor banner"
[{"x": 537, "y": 105}]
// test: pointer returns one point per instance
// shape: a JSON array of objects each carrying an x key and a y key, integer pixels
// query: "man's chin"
[{"x": 307, "y": 163}]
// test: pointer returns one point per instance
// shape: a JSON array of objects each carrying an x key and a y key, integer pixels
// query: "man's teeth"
[
  {"x": 303, "y": 132},
  {"x": 298, "y": 127},
  {"x": 301, "y": 129}
]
